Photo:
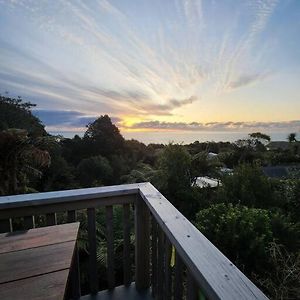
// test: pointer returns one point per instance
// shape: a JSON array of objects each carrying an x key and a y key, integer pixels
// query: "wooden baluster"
[
  {"x": 5, "y": 226},
  {"x": 93, "y": 274},
  {"x": 160, "y": 265},
  {"x": 71, "y": 216},
  {"x": 110, "y": 247},
  {"x": 154, "y": 256},
  {"x": 51, "y": 219},
  {"x": 192, "y": 289},
  {"x": 126, "y": 247},
  {"x": 29, "y": 222},
  {"x": 178, "y": 287},
  {"x": 75, "y": 273},
  {"x": 168, "y": 270},
  {"x": 142, "y": 244}
]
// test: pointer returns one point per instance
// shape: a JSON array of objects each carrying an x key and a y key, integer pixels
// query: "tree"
[
  {"x": 259, "y": 137},
  {"x": 292, "y": 137},
  {"x": 94, "y": 171},
  {"x": 244, "y": 234},
  {"x": 248, "y": 186},
  {"x": 21, "y": 156},
  {"x": 15, "y": 113},
  {"x": 103, "y": 137},
  {"x": 175, "y": 163}
]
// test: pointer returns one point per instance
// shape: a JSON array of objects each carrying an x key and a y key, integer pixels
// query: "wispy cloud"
[{"x": 216, "y": 126}]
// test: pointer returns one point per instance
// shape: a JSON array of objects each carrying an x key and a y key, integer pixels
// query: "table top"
[{"x": 35, "y": 264}]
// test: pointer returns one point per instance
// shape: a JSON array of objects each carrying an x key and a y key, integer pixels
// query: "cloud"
[
  {"x": 99, "y": 59},
  {"x": 217, "y": 126},
  {"x": 247, "y": 79}
]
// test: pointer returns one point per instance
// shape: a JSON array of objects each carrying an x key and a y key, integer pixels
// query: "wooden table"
[{"x": 35, "y": 264}]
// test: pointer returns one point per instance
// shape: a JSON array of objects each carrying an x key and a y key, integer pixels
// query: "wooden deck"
[
  {"x": 35, "y": 264},
  {"x": 121, "y": 293}
]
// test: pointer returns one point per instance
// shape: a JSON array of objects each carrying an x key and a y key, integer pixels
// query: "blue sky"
[{"x": 155, "y": 65}]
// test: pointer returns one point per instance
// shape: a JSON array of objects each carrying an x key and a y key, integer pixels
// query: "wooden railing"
[{"x": 171, "y": 255}]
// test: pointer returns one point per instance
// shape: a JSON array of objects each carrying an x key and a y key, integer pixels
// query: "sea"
[{"x": 163, "y": 137}]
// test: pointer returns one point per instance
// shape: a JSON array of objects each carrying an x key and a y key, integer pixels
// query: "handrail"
[{"x": 213, "y": 272}]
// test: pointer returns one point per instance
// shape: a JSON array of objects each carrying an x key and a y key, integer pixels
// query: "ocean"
[{"x": 163, "y": 137}]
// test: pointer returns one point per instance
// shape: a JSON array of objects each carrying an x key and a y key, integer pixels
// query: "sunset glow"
[{"x": 155, "y": 65}]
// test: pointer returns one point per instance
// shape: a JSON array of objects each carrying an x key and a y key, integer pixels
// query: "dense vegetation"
[{"x": 253, "y": 219}]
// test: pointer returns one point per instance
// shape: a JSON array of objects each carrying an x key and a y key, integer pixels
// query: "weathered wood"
[
  {"x": 142, "y": 245},
  {"x": 192, "y": 290},
  {"x": 160, "y": 265},
  {"x": 126, "y": 247},
  {"x": 44, "y": 287},
  {"x": 51, "y": 219},
  {"x": 71, "y": 216},
  {"x": 153, "y": 256},
  {"x": 29, "y": 222},
  {"x": 168, "y": 270},
  {"x": 5, "y": 225},
  {"x": 40, "y": 209},
  {"x": 20, "y": 240},
  {"x": 75, "y": 276},
  {"x": 110, "y": 247},
  {"x": 214, "y": 273},
  {"x": 69, "y": 196},
  {"x": 178, "y": 280},
  {"x": 93, "y": 273},
  {"x": 35, "y": 261}
]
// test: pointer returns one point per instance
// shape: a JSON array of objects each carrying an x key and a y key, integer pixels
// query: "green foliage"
[
  {"x": 247, "y": 186},
  {"x": 174, "y": 163},
  {"x": 21, "y": 156},
  {"x": 94, "y": 171},
  {"x": 103, "y": 137},
  {"x": 15, "y": 113},
  {"x": 240, "y": 232}
]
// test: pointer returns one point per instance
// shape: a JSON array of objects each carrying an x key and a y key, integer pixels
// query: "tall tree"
[
  {"x": 15, "y": 113},
  {"x": 104, "y": 137}
]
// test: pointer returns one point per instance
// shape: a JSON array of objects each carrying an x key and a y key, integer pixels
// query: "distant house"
[
  {"x": 207, "y": 182},
  {"x": 276, "y": 172},
  {"x": 282, "y": 172},
  {"x": 211, "y": 155},
  {"x": 278, "y": 145}
]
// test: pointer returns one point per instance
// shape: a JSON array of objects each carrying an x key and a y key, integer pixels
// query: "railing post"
[{"x": 142, "y": 244}]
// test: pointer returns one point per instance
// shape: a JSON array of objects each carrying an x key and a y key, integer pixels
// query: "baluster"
[
  {"x": 142, "y": 244},
  {"x": 75, "y": 273},
  {"x": 178, "y": 286},
  {"x": 5, "y": 226},
  {"x": 126, "y": 249},
  {"x": 154, "y": 256},
  {"x": 51, "y": 219},
  {"x": 71, "y": 216},
  {"x": 93, "y": 274},
  {"x": 110, "y": 247},
  {"x": 191, "y": 287},
  {"x": 29, "y": 222},
  {"x": 160, "y": 265},
  {"x": 168, "y": 270}
]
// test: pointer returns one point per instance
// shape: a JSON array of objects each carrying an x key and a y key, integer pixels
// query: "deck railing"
[{"x": 171, "y": 255}]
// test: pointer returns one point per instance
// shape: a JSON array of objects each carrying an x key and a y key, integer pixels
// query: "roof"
[
  {"x": 276, "y": 171},
  {"x": 207, "y": 182}
]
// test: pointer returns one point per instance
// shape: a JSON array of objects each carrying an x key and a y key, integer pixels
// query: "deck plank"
[
  {"x": 21, "y": 240},
  {"x": 45, "y": 287},
  {"x": 35, "y": 261}
]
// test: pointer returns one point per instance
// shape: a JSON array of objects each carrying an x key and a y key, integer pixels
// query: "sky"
[{"x": 155, "y": 66}]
